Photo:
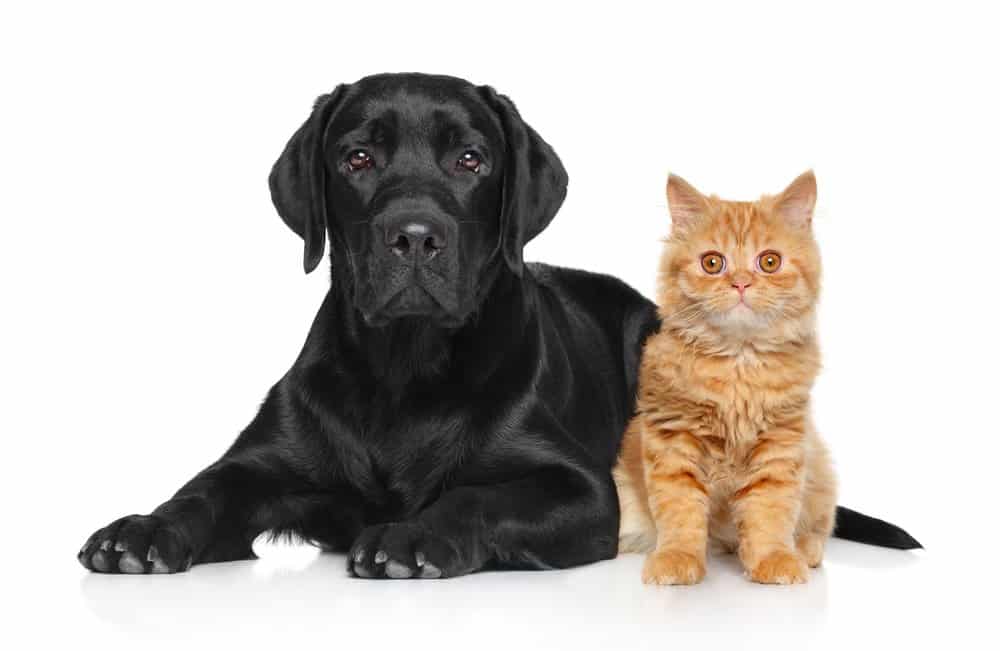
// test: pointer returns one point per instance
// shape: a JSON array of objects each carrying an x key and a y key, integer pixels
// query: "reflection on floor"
[{"x": 295, "y": 592}]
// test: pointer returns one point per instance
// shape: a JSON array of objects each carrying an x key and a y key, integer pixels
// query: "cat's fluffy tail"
[{"x": 862, "y": 528}]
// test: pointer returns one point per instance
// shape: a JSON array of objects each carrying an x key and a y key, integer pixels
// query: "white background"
[{"x": 151, "y": 295}]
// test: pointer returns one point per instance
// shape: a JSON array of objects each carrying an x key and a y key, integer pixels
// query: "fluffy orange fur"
[{"x": 722, "y": 446}]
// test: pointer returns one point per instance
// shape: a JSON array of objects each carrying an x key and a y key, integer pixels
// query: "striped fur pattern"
[{"x": 722, "y": 448}]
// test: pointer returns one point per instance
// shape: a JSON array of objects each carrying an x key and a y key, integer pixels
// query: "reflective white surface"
[{"x": 294, "y": 595}]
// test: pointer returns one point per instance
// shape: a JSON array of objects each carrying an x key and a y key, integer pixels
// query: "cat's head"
[{"x": 741, "y": 268}]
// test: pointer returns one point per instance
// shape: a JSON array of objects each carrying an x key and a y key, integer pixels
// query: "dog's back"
[{"x": 608, "y": 322}]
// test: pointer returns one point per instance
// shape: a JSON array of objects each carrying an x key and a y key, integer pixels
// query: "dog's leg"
[
  {"x": 552, "y": 518},
  {"x": 214, "y": 517}
]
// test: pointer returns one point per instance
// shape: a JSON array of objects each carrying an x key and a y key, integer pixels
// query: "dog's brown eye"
[
  {"x": 360, "y": 159},
  {"x": 713, "y": 262},
  {"x": 469, "y": 161},
  {"x": 769, "y": 261}
]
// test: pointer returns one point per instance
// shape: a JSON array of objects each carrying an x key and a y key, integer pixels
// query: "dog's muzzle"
[{"x": 414, "y": 267}]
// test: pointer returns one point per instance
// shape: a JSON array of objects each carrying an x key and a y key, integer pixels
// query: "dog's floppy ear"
[
  {"x": 298, "y": 180},
  {"x": 534, "y": 181}
]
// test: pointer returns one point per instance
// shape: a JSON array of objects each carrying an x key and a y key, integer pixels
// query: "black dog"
[{"x": 452, "y": 408}]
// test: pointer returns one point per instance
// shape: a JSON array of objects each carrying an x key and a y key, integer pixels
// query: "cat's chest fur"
[
  {"x": 750, "y": 391},
  {"x": 728, "y": 400}
]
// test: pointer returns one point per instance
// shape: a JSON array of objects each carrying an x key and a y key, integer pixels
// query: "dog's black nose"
[{"x": 422, "y": 239}]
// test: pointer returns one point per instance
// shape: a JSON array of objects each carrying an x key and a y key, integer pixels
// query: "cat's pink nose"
[{"x": 741, "y": 286}]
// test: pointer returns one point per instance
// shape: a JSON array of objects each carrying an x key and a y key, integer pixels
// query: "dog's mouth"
[
  {"x": 404, "y": 285},
  {"x": 413, "y": 301}
]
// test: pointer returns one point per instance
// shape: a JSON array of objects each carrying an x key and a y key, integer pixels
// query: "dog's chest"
[{"x": 410, "y": 456}]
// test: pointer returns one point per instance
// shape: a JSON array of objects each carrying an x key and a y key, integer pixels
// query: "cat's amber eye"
[
  {"x": 769, "y": 261},
  {"x": 713, "y": 262}
]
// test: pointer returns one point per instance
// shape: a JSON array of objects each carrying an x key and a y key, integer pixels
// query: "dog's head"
[{"x": 425, "y": 185}]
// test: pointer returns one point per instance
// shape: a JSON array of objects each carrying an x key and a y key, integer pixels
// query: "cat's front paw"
[
  {"x": 811, "y": 547},
  {"x": 780, "y": 567},
  {"x": 673, "y": 567}
]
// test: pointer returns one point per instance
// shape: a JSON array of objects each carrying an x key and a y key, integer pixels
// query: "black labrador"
[{"x": 453, "y": 408}]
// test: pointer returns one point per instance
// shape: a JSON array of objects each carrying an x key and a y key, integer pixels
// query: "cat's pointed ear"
[
  {"x": 797, "y": 203},
  {"x": 686, "y": 203}
]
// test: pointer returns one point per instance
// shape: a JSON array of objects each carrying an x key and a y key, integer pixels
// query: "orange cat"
[{"x": 722, "y": 446}]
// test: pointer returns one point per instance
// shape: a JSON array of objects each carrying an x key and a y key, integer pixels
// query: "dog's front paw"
[
  {"x": 136, "y": 544},
  {"x": 405, "y": 550}
]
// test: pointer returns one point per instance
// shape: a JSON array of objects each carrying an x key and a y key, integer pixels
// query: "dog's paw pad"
[
  {"x": 395, "y": 570},
  {"x": 129, "y": 563},
  {"x": 429, "y": 571},
  {"x": 159, "y": 566},
  {"x": 100, "y": 561}
]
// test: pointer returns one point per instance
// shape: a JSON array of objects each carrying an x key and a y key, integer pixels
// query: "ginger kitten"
[{"x": 722, "y": 446}]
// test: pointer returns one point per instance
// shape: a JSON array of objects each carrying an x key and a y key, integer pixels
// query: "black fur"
[
  {"x": 452, "y": 408},
  {"x": 859, "y": 527}
]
